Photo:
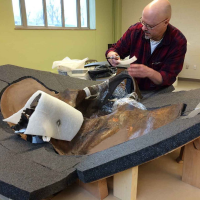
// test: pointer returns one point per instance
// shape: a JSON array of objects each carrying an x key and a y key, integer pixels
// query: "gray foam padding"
[
  {"x": 35, "y": 171},
  {"x": 138, "y": 151},
  {"x": 28, "y": 179},
  {"x": 10, "y": 73},
  {"x": 147, "y": 147},
  {"x": 148, "y": 94},
  {"x": 3, "y": 84},
  {"x": 62, "y": 164}
]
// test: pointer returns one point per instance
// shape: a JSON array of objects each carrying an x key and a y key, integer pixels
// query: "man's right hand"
[{"x": 113, "y": 58}]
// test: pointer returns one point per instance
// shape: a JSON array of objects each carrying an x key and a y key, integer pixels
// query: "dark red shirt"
[{"x": 167, "y": 58}]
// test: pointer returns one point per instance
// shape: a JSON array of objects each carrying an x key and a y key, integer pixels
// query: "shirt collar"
[{"x": 167, "y": 37}]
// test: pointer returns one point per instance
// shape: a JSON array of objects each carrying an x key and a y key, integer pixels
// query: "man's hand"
[
  {"x": 113, "y": 58},
  {"x": 142, "y": 71},
  {"x": 139, "y": 71}
]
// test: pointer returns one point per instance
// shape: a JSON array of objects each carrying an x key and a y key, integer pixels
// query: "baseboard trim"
[{"x": 188, "y": 79}]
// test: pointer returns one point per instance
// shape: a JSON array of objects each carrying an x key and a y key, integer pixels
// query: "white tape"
[
  {"x": 87, "y": 92},
  {"x": 195, "y": 112},
  {"x": 197, "y": 107},
  {"x": 46, "y": 139}
]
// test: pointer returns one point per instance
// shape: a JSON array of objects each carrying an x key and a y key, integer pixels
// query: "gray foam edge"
[
  {"x": 26, "y": 179},
  {"x": 16, "y": 193},
  {"x": 129, "y": 155},
  {"x": 140, "y": 150}
]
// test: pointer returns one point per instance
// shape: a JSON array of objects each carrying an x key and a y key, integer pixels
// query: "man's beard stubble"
[{"x": 146, "y": 37}]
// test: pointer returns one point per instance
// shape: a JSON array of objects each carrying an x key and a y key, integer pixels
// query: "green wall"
[
  {"x": 37, "y": 49},
  {"x": 117, "y": 17}
]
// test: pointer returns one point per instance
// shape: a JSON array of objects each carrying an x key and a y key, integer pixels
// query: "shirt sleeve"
[
  {"x": 173, "y": 63},
  {"x": 170, "y": 67}
]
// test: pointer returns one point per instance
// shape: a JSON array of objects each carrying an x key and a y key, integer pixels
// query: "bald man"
[{"x": 159, "y": 47}]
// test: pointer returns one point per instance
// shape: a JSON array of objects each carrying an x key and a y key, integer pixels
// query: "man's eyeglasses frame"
[{"x": 149, "y": 27}]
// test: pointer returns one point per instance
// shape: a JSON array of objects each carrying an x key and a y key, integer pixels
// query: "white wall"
[{"x": 185, "y": 16}]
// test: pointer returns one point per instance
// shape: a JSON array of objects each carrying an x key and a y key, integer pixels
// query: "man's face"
[{"x": 153, "y": 29}]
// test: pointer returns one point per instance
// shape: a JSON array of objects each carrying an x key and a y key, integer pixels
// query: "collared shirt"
[
  {"x": 167, "y": 58},
  {"x": 154, "y": 44}
]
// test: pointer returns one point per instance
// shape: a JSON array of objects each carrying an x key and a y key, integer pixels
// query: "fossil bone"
[{"x": 97, "y": 132}]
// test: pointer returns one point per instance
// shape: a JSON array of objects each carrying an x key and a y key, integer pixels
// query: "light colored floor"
[
  {"x": 187, "y": 85},
  {"x": 159, "y": 179}
]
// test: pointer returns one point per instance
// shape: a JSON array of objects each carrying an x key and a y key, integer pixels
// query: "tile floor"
[{"x": 159, "y": 179}]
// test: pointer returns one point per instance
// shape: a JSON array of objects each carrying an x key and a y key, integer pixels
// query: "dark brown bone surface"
[
  {"x": 98, "y": 133},
  {"x": 16, "y": 95},
  {"x": 124, "y": 124}
]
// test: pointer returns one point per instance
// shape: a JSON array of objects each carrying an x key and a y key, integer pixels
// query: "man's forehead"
[{"x": 151, "y": 18}]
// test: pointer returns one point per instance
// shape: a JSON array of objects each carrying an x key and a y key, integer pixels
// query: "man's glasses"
[{"x": 149, "y": 27}]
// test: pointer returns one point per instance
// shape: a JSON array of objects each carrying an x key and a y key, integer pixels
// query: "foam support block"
[
  {"x": 137, "y": 151},
  {"x": 44, "y": 120},
  {"x": 147, "y": 147},
  {"x": 35, "y": 171}
]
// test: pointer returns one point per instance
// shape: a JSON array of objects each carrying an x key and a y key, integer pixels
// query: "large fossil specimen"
[{"x": 102, "y": 128}]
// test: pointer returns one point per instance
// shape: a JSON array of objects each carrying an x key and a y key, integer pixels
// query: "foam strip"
[{"x": 127, "y": 62}]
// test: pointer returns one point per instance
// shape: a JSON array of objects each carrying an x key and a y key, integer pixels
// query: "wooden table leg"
[
  {"x": 191, "y": 165},
  {"x": 98, "y": 189},
  {"x": 125, "y": 184},
  {"x": 181, "y": 155}
]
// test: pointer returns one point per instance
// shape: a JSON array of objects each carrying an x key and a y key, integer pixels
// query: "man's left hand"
[
  {"x": 142, "y": 71},
  {"x": 139, "y": 71}
]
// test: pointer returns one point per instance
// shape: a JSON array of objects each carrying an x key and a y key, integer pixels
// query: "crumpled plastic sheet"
[
  {"x": 120, "y": 97},
  {"x": 120, "y": 91},
  {"x": 128, "y": 100}
]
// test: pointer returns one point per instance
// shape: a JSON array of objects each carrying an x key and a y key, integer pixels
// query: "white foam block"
[
  {"x": 52, "y": 118},
  {"x": 16, "y": 117}
]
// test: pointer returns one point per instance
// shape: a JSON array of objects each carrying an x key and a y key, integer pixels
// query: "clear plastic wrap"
[
  {"x": 119, "y": 97},
  {"x": 120, "y": 91},
  {"x": 103, "y": 90},
  {"x": 128, "y": 100}
]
